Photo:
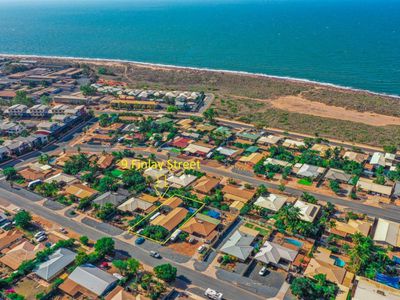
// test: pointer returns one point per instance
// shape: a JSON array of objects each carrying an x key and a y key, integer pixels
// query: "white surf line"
[{"x": 288, "y": 78}]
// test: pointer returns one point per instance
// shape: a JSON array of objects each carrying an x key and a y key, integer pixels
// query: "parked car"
[
  {"x": 41, "y": 238},
  {"x": 212, "y": 294},
  {"x": 263, "y": 271},
  {"x": 155, "y": 254},
  {"x": 39, "y": 234},
  {"x": 63, "y": 230},
  {"x": 201, "y": 248},
  {"x": 139, "y": 240}
]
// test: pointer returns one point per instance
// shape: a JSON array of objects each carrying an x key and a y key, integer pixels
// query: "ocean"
[{"x": 353, "y": 43}]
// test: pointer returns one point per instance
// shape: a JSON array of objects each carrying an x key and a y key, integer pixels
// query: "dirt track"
[{"x": 304, "y": 106}]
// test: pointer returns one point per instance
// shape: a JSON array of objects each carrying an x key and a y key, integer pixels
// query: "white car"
[
  {"x": 155, "y": 254},
  {"x": 263, "y": 271},
  {"x": 41, "y": 238},
  {"x": 201, "y": 248},
  {"x": 212, "y": 294},
  {"x": 39, "y": 234}
]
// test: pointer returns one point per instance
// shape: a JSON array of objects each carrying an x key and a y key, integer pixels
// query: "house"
[
  {"x": 80, "y": 191},
  {"x": 11, "y": 128},
  {"x": 223, "y": 131},
  {"x": 55, "y": 264},
  {"x": 118, "y": 293},
  {"x": 308, "y": 211},
  {"x": 321, "y": 148},
  {"x": 369, "y": 186},
  {"x": 395, "y": 194},
  {"x": 367, "y": 289},
  {"x": 276, "y": 255},
  {"x": 228, "y": 152},
  {"x": 38, "y": 111},
  {"x": 206, "y": 185},
  {"x": 308, "y": 171},
  {"x": 351, "y": 227},
  {"x": 30, "y": 174},
  {"x": 278, "y": 162},
  {"x": 239, "y": 245},
  {"x": 88, "y": 280},
  {"x": 356, "y": 156},
  {"x": 17, "y": 110},
  {"x": 171, "y": 220},
  {"x": 16, "y": 146},
  {"x": 293, "y": 144},
  {"x": 7, "y": 94},
  {"x": 387, "y": 233},
  {"x": 182, "y": 181},
  {"x": 144, "y": 202},
  {"x": 271, "y": 202},
  {"x": 102, "y": 139},
  {"x": 338, "y": 175},
  {"x": 58, "y": 109},
  {"x": 61, "y": 178},
  {"x": 269, "y": 140},
  {"x": 173, "y": 202},
  {"x": 252, "y": 159},
  {"x": 252, "y": 137},
  {"x": 382, "y": 159},
  {"x": 4, "y": 152},
  {"x": 62, "y": 118},
  {"x": 114, "y": 198},
  {"x": 180, "y": 142},
  {"x": 20, "y": 253},
  {"x": 10, "y": 238},
  {"x": 234, "y": 193},
  {"x": 48, "y": 126},
  {"x": 333, "y": 273},
  {"x": 201, "y": 226},
  {"x": 198, "y": 149},
  {"x": 155, "y": 173}
]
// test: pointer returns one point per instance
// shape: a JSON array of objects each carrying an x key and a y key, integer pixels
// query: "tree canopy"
[{"x": 165, "y": 272}]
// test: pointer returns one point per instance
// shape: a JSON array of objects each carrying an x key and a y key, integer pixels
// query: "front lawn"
[{"x": 305, "y": 181}]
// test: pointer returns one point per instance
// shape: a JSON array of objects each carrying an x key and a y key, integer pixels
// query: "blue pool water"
[
  {"x": 338, "y": 261},
  {"x": 294, "y": 242}
]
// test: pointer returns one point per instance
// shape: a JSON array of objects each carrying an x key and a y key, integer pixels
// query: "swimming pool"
[
  {"x": 338, "y": 261},
  {"x": 294, "y": 242}
]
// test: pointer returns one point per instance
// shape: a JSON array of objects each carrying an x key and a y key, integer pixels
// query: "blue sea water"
[{"x": 352, "y": 43}]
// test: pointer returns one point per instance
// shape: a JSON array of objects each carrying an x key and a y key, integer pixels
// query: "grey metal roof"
[
  {"x": 239, "y": 245},
  {"x": 115, "y": 198},
  {"x": 55, "y": 264},
  {"x": 340, "y": 175},
  {"x": 92, "y": 278}
]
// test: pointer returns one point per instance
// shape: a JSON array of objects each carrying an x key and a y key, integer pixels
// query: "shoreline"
[{"x": 176, "y": 67}]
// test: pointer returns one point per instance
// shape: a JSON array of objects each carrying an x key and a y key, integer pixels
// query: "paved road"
[
  {"x": 185, "y": 275},
  {"x": 240, "y": 125},
  {"x": 390, "y": 212}
]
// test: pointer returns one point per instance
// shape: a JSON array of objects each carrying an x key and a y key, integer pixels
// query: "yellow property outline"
[{"x": 150, "y": 214}]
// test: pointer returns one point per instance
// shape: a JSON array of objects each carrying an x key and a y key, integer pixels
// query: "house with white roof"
[
  {"x": 272, "y": 202},
  {"x": 368, "y": 289},
  {"x": 308, "y": 211},
  {"x": 276, "y": 255},
  {"x": 308, "y": 171},
  {"x": 387, "y": 233},
  {"x": 182, "y": 181},
  {"x": 239, "y": 245},
  {"x": 91, "y": 279},
  {"x": 293, "y": 144},
  {"x": 55, "y": 264}
]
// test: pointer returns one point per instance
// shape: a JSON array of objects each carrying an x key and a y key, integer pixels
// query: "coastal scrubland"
[{"x": 249, "y": 98}]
